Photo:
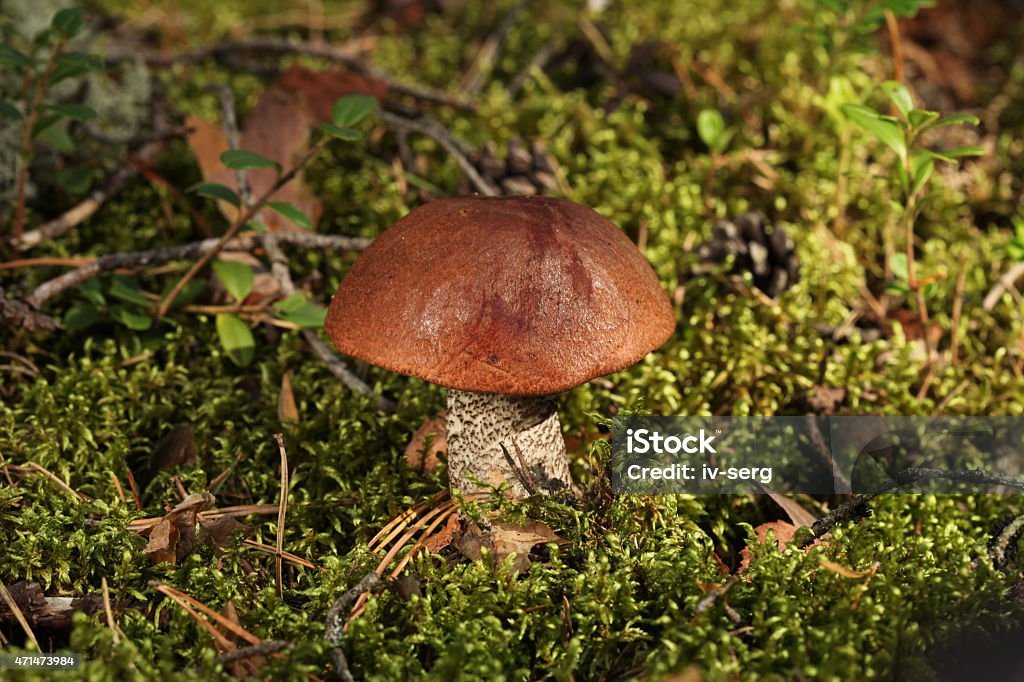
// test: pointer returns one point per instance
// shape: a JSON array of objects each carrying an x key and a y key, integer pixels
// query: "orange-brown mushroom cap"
[{"x": 523, "y": 296}]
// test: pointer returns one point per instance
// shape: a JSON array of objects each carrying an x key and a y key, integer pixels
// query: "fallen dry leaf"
[
  {"x": 783, "y": 534},
  {"x": 177, "y": 447},
  {"x": 171, "y": 539},
  {"x": 441, "y": 539},
  {"x": 287, "y": 410},
  {"x": 219, "y": 531},
  {"x": 796, "y": 513},
  {"x": 277, "y": 128},
  {"x": 426, "y": 444},
  {"x": 319, "y": 89},
  {"x": 207, "y": 142},
  {"x": 504, "y": 540},
  {"x": 912, "y": 327}
]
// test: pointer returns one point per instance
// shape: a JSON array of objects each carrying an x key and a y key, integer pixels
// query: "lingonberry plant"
[{"x": 909, "y": 175}]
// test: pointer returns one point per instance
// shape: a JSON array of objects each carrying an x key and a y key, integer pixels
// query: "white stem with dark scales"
[{"x": 494, "y": 439}]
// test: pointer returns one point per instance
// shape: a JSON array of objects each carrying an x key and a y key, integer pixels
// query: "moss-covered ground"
[{"x": 618, "y": 599}]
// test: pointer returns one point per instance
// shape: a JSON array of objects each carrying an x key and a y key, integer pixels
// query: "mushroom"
[{"x": 506, "y": 301}]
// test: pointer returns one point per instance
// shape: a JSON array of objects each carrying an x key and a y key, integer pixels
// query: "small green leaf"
[
  {"x": 56, "y": 135},
  {"x": 352, "y": 109},
  {"x": 882, "y": 127},
  {"x": 13, "y": 58},
  {"x": 236, "y": 338},
  {"x": 1015, "y": 249},
  {"x": 189, "y": 293},
  {"x": 958, "y": 152},
  {"x": 922, "y": 165},
  {"x": 240, "y": 159},
  {"x": 81, "y": 316},
  {"x": 215, "y": 190},
  {"x": 8, "y": 110},
  {"x": 299, "y": 310},
  {"x": 127, "y": 290},
  {"x": 897, "y": 288},
  {"x": 958, "y": 119},
  {"x": 43, "y": 38},
  {"x": 93, "y": 291},
  {"x": 131, "y": 319},
  {"x": 711, "y": 128},
  {"x": 898, "y": 266},
  {"x": 75, "y": 180},
  {"x": 43, "y": 123},
  {"x": 340, "y": 133},
  {"x": 292, "y": 213},
  {"x": 899, "y": 95},
  {"x": 74, "y": 64},
  {"x": 291, "y": 303},
  {"x": 921, "y": 118},
  {"x": 69, "y": 21},
  {"x": 236, "y": 277},
  {"x": 76, "y": 112}
]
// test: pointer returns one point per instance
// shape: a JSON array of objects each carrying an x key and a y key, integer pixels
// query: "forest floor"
[{"x": 140, "y": 474}]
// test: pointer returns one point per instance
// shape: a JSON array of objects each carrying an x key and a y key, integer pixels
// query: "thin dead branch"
[
  {"x": 282, "y": 513},
  {"x": 1005, "y": 283},
  {"x": 282, "y": 274},
  {"x": 483, "y": 63},
  {"x": 263, "y": 649},
  {"x": 243, "y": 218},
  {"x": 18, "y": 615},
  {"x": 458, "y": 149},
  {"x": 115, "y": 261},
  {"x": 230, "y": 123},
  {"x": 334, "y": 630},
  {"x": 33, "y": 468},
  {"x": 858, "y": 506},
  {"x": 115, "y": 182}
]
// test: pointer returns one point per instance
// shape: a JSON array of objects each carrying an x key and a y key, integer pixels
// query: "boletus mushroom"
[{"x": 507, "y": 302}]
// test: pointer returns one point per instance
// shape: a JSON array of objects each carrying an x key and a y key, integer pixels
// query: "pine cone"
[
  {"x": 763, "y": 249},
  {"x": 521, "y": 171}
]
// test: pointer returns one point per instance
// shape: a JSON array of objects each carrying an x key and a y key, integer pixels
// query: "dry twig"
[
  {"x": 1005, "y": 283},
  {"x": 18, "y": 615},
  {"x": 282, "y": 512},
  {"x": 63, "y": 224},
  {"x": 230, "y": 123},
  {"x": 334, "y": 630},
  {"x": 262, "y": 649},
  {"x": 243, "y": 218},
  {"x": 489, "y": 52},
  {"x": 281, "y": 273},
  {"x": 858, "y": 508},
  {"x": 458, "y": 149},
  {"x": 115, "y": 261}
]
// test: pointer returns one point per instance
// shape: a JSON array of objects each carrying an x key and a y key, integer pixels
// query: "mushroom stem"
[{"x": 495, "y": 439}]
